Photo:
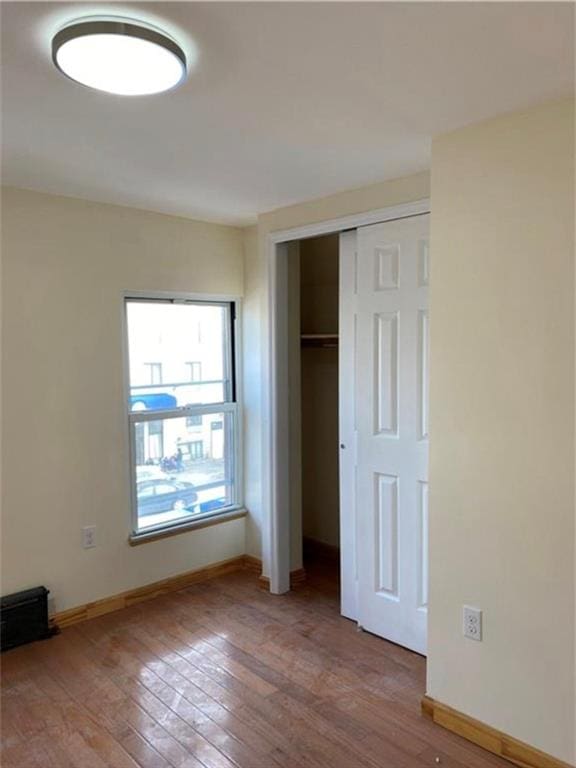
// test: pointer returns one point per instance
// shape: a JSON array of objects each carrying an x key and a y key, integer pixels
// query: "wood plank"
[
  {"x": 192, "y": 690},
  {"x": 221, "y": 674}
]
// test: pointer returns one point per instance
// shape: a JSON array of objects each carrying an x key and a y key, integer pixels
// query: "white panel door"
[{"x": 392, "y": 429}]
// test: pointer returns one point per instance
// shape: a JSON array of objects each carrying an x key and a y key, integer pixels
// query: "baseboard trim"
[
  {"x": 173, "y": 584},
  {"x": 253, "y": 564},
  {"x": 147, "y": 592},
  {"x": 297, "y": 578},
  {"x": 494, "y": 741}
]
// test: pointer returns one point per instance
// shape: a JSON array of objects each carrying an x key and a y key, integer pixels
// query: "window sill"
[{"x": 204, "y": 522}]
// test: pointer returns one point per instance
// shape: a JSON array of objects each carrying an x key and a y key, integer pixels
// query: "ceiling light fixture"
[{"x": 118, "y": 56}]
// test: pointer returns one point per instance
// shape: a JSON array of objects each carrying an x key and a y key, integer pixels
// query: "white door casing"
[
  {"x": 347, "y": 424},
  {"x": 391, "y": 396}
]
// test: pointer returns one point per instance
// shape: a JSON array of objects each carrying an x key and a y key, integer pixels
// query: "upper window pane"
[{"x": 180, "y": 354}]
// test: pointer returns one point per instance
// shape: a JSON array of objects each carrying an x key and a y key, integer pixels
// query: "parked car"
[{"x": 163, "y": 495}]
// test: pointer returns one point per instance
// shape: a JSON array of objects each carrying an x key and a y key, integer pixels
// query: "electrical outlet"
[
  {"x": 89, "y": 536},
  {"x": 472, "y": 623}
]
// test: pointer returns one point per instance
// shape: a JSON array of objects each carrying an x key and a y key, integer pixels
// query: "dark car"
[{"x": 163, "y": 495}]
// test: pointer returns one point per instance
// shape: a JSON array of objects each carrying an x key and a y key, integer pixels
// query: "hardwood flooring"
[{"x": 223, "y": 675}]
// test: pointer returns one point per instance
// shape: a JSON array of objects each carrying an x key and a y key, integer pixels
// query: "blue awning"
[{"x": 156, "y": 402}]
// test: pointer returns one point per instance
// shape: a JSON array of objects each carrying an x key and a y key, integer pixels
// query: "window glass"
[
  {"x": 190, "y": 366},
  {"x": 185, "y": 458},
  {"x": 194, "y": 476}
]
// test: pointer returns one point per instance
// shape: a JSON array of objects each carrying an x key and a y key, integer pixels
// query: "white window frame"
[{"x": 233, "y": 407}]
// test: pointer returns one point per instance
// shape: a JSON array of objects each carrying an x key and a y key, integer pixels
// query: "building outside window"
[
  {"x": 183, "y": 415},
  {"x": 194, "y": 371},
  {"x": 197, "y": 449},
  {"x": 148, "y": 441},
  {"x": 154, "y": 373}
]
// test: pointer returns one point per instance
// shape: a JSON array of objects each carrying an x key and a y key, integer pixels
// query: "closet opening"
[
  {"x": 349, "y": 404},
  {"x": 318, "y": 332}
]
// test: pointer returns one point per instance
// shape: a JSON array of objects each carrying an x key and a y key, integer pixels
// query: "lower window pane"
[{"x": 184, "y": 467}]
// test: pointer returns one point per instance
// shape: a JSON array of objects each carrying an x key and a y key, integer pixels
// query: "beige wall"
[
  {"x": 502, "y": 424},
  {"x": 388, "y": 193},
  {"x": 319, "y": 258},
  {"x": 394, "y": 192},
  {"x": 66, "y": 264}
]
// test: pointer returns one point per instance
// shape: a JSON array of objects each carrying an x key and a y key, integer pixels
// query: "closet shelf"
[{"x": 327, "y": 340}]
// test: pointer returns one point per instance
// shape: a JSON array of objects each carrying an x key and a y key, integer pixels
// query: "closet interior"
[{"x": 319, "y": 304}]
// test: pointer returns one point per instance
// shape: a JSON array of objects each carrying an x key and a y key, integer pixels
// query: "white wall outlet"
[
  {"x": 472, "y": 623},
  {"x": 89, "y": 536}
]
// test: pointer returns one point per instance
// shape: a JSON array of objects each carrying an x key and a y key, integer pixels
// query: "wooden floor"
[{"x": 223, "y": 675}]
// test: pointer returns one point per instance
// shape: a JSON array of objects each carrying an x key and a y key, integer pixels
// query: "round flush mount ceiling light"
[{"x": 117, "y": 56}]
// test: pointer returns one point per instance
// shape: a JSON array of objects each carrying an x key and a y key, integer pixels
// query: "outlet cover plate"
[
  {"x": 89, "y": 536},
  {"x": 472, "y": 622}
]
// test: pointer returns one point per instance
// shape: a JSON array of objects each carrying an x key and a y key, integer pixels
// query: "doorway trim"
[{"x": 275, "y": 465}]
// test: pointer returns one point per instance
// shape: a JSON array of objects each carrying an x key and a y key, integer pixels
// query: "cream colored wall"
[
  {"x": 502, "y": 424},
  {"x": 66, "y": 264},
  {"x": 319, "y": 258},
  {"x": 388, "y": 193},
  {"x": 394, "y": 192}
]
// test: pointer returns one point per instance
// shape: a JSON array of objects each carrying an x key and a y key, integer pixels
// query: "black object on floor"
[{"x": 24, "y": 617}]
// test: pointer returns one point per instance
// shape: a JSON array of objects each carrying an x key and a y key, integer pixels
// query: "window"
[
  {"x": 154, "y": 373},
  {"x": 148, "y": 441},
  {"x": 196, "y": 449},
  {"x": 194, "y": 371},
  {"x": 183, "y": 415}
]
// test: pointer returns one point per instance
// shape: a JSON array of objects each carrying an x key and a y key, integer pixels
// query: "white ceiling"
[{"x": 289, "y": 101}]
